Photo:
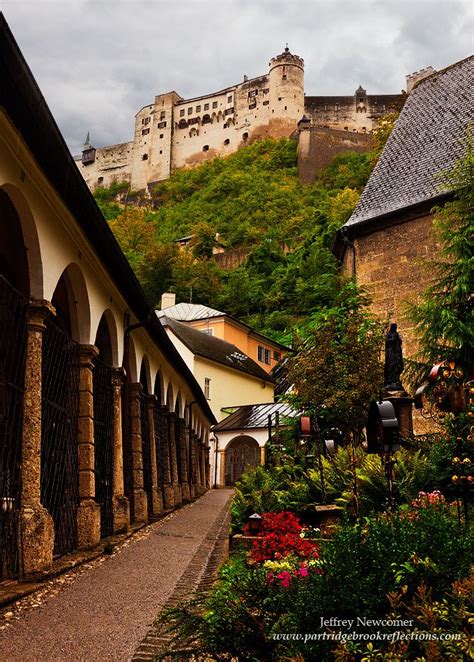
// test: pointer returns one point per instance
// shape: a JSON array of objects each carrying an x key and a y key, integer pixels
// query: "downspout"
[
  {"x": 350, "y": 244},
  {"x": 216, "y": 448}
]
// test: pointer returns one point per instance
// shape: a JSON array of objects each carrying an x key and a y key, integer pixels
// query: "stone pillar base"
[
  {"x": 178, "y": 496},
  {"x": 157, "y": 501},
  {"x": 140, "y": 504},
  {"x": 168, "y": 491},
  {"x": 186, "y": 492},
  {"x": 88, "y": 524},
  {"x": 192, "y": 492},
  {"x": 37, "y": 538},
  {"x": 200, "y": 491},
  {"x": 121, "y": 514}
]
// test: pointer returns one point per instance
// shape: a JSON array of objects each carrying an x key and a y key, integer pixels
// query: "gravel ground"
[{"x": 103, "y": 610}]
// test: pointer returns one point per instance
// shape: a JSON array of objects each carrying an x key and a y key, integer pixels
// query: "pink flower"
[
  {"x": 285, "y": 578},
  {"x": 303, "y": 571}
]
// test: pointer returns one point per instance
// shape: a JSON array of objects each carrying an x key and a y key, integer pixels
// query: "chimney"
[{"x": 168, "y": 299}]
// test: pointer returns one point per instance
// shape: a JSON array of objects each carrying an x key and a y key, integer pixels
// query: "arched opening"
[
  {"x": 241, "y": 453},
  {"x": 130, "y": 368},
  {"x": 14, "y": 293},
  {"x": 161, "y": 433},
  {"x": 179, "y": 438},
  {"x": 170, "y": 402},
  {"x": 146, "y": 436},
  {"x": 103, "y": 395},
  {"x": 60, "y": 411}
]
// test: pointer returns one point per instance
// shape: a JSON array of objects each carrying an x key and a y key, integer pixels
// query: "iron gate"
[
  {"x": 146, "y": 452},
  {"x": 104, "y": 444},
  {"x": 59, "y": 452},
  {"x": 13, "y": 307},
  {"x": 160, "y": 437}
]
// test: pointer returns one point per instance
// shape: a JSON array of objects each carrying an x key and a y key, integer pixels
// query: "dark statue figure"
[{"x": 393, "y": 360}]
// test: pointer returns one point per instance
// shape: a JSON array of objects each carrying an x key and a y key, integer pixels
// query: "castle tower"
[{"x": 286, "y": 88}]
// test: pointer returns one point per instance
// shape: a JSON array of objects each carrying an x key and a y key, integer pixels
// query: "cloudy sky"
[{"x": 99, "y": 61}]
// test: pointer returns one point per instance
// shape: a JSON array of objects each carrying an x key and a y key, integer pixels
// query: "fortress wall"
[
  {"x": 348, "y": 114},
  {"x": 112, "y": 164}
]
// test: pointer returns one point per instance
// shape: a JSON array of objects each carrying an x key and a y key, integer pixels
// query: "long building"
[{"x": 102, "y": 425}]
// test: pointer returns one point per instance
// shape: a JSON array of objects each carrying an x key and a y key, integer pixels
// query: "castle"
[{"x": 173, "y": 132}]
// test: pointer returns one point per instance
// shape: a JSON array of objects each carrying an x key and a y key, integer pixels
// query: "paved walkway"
[{"x": 105, "y": 610}]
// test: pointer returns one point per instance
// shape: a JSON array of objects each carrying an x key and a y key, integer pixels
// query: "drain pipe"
[{"x": 216, "y": 448}]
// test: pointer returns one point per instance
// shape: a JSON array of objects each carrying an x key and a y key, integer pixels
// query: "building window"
[
  {"x": 161, "y": 151},
  {"x": 253, "y": 93},
  {"x": 265, "y": 103},
  {"x": 198, "y": 109},
  {"x": 207, "y": 388},
  {"x": 145, "y": 157},
  {"x": 252, "y": 105},
  {"x": 190, "y": 111},
  {"x": 283, "y": 77},
  {"x": 277, "y": 356},
  {"x": 214, "y": 104},
  {"x": 245, "y": 136},
  {"x": 206, "y": 106},
  {"x": 266, "y": 90},
  {"x": 161, "y": 135},
  {"x": 145, "y": 131},
  {"x": 181, "y": 113},
  {"x": 226, "y": 141},
  {"x": 162, "y": 115},
  {"x": 229, "y": 111},
  {"x": 264, "y": 355},
  {"x": 161, "y": 125},
  {"x": 229, "y": 99},
  {"x": 205, "y": 148},
  {"x": 193, "y": 120},
  {"x": 100, "y": 180}
]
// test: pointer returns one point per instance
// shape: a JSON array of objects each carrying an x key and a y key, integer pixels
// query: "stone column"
[
  {"x": 36, "y": 524},
  {"x": 222, "y": 459},
  {"x": 263, "y": 455},
  {"x": 172, "y": 422},
  {"x": 185, "y": 489},
  {"x": 140, "y": 504},
  {"x": 192, "y": 465},
  {"x": 120, "y": 506},
  {"x": 207, "y": 466},
  {"x": 168, "y": 490},
  {"x": 155, "y": 491},
  {"x": 88, "y": 512}
]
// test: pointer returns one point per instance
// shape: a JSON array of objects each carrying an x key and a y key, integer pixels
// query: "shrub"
[{"x": 281, "y": 535}]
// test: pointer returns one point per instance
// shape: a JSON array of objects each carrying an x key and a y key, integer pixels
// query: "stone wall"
[{"x": 317, "y": 147}]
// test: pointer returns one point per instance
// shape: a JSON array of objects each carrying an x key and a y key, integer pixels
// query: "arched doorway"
[
  {"x": 242, "y": 453},
  {"x": 104, "y": 426},
  {"x": 14, "y": 294},
  {"x": 161, "y": 435},
  {"x": 60, "y": 412}
]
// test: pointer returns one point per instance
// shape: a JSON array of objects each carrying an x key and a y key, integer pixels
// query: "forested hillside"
[{"x": 252, "y": 199}]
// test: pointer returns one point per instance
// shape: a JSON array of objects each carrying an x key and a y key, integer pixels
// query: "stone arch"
[
  {"x": 71, "y": 300},
  {"x": 14, "y": 206},
  {"x": 170, "y": 399},
  {"x": 130, "y": 361},
  {"x": 145, "y": 372},
  {"x": 106, "y": 338},
  {"x": 241, "y": 453},
  {"x": 179, "y": 405}
]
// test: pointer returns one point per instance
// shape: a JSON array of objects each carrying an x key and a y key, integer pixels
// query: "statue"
[{"x": 393, "y": 360}]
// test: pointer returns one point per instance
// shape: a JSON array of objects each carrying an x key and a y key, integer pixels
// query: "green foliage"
[
  {"x": 338, "y": 370},
  {"x": 254, "y": 200},
  {"x": 444, "y": 317}
]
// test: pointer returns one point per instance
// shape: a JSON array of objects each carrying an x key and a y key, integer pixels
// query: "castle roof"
[
  {"x": 215, "y": 349},
  {"x": 426, "y": 140}
]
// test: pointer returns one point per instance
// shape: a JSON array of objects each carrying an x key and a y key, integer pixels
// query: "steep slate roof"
[
  {"x": 251, "y": 417},
  {"x": 425, "y": 141},
  {"x": 215, "y": 349},
  {"x": 23, "y": 102}
]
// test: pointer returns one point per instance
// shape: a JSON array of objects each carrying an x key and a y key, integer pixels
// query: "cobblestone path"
[{"x": 105, "y": 611}]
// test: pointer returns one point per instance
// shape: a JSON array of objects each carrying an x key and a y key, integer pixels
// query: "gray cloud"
[{"x": 99, "y": 61}]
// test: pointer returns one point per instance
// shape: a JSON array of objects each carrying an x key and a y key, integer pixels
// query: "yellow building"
[{"x": 267, "y": 353}]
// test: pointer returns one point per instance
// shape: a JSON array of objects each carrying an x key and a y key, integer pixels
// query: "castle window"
[
  {"x": 266, "y": 103},
  {"x": 229, "y": 111},
  {"x": 279, "y": 98},
  {"x": 283, "y": 77},
  {"x": 162, "y": 115},
  {"x": 161, "y": 125},
  {"x": 252, "y": 105},
  {"x": 145, "y": 157},
  {"x": 206, "y": 119},
  {"x": 190, "y": 111},
  {"x": 205, "y": 148},
  {"x": 161, "y": 151},
  {"x": 145, "y": 131},
  {"x": 193, "y": 120},
  {"x": 146, "y": 120},
  {"x": 207, "y": 388},
  {"x": 266, "y": 90},
  {"x": 229, "y": 99},
  {"x": 245, "y": 136},
  {"x": 198, "y": 109},
  {"x": 181, "y": 112},
  {"x": 226, "y": 126},
  {"x": 206, "y": 106},
  {"x": 161, "y": 135},
  {"x": 226, "y": 141},
  {"x": 100, "y": 180},
  {"x": 182, "y": 124},
  {"x": 286, "y": 108},
  {"x": 253, "y": 93},
  {"x": 214, "y": 104}
]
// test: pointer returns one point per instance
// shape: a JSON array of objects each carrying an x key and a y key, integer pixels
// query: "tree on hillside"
[
  {"x": 338, "y": 370},
  {"x": 135, "y": 234}
]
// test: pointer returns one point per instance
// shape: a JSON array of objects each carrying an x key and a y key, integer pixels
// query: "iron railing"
[
  {"x": 59, "y": 452},
  {"x": 104, "y": 444},
  {"x": 13, "y": 331}
]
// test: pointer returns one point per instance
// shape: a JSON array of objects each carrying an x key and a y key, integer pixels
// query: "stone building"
[
  {"x": 384, "y": 242},
  {"x": 102, "y": 425},
  {"x": 173, "y": 132}
]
